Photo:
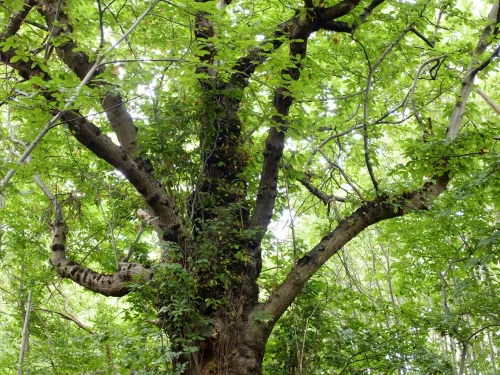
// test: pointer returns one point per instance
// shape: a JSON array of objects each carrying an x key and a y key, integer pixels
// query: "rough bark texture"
[
  {"x": 235, "y": 349},
  {"x": 234, "y": 340},
  {"x": 115, "y": 285},
  {"x": 54, "y": 13},
  {"x": 368, "y": 214}
]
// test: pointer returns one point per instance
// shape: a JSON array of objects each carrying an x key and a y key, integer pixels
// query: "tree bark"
[
  {"x": 234, "y": 341},
  {"x": 25, "y": 336},
  {"x": 230, "y": 347}
]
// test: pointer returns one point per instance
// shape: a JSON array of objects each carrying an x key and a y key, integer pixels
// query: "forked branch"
[
  {"x": 138, "y": 172},
  {"x": 369, "y": 213},
  {"x": 321, "y": 18},
  {"x": 79, "y": 62},
  {"x": 321, "y": 195},
  {"x": 299, "y": 30},
  {"x": 114, "y": 285}
]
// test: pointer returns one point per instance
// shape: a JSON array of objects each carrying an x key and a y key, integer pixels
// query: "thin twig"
[
  {"x": 366, "y": 100},
  {"x": 438, "y": 21},
  {"x": 414, "y": 86},
  {"x": 344, "y": 174},
  {"x": 101, "y": 24},
  {"x": 422, "y": 36},
  {"x": 292, "y": 224},
  {"x": 11, "y": 131},
  {"x": 49, "y": 341},
  {"x": 25, "y": 336},
  {"x": 137, "y": 238},
  {"x": 70, "y": 318}
]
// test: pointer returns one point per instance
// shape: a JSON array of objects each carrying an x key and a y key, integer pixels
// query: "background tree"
[{"x": 199, "y": 124}]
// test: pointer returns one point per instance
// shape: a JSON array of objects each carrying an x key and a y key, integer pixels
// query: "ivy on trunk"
[{"x": 207, "y": 168}]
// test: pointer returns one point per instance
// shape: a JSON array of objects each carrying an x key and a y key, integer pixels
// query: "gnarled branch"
[{"x": 114, "y": 285}]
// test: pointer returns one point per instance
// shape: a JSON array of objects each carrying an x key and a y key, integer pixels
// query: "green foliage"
[{"x": 404, "y": 297}]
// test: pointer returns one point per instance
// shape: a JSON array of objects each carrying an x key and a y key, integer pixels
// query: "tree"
[{"x": 203, "y": 120}]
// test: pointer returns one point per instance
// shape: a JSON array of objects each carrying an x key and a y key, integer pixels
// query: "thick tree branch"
[
  {"x": 114, "y": 285},
  {"x": 220, "y": 134},
  {"x": 106, "y": 284},
  {"x": 336, "y": 11},
  {"x": 17, "y": 19},
  {"x": 422, "y": 36},
  {"x": 468, "y": 81},
  {"x": 24, "y": 69},
  {"x": 204, "y": 30},
  {"x": 297, "y": 29},
  {"x": 10, "y": 29},
  {"x": 300, "y": 30},
  {"x": 368, "y": 11},
  {"x": 273, "y": 149},
  {"x": 245, "y": 66},
  {"x": 139, "y": 174},
  {"x": 78, "y": 61},
  {"x": 365, "y": 216},
  {"x": 340, "y": 26}
]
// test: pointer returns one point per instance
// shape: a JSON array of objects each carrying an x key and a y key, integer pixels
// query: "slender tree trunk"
[
  {"x": 471, "y": 360},
  {"x": 453, "y": 351},
  {"x": 492, "y": 353},
  {"x": 471, "y": 355},
  {"x": 463, "y": 358},
  {"x": 25, "y": 336}
]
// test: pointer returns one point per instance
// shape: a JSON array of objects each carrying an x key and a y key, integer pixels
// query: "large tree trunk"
[
  {"x": 232, "y": 354},
  {"x": 234, "y": 348}
]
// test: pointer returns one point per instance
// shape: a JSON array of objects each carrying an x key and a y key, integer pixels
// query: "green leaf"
[{"x": 16, "y": 58}]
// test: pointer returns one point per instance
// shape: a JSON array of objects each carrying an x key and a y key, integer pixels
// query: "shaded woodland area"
[{"x": 246, "y": 187}]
